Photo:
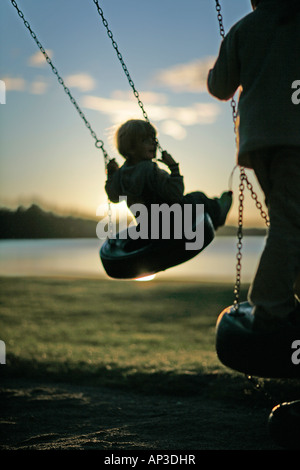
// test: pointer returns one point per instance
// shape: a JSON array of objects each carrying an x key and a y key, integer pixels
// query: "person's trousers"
[{"x": 277, "y": 281}]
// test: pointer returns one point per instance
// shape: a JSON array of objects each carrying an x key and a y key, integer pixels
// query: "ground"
[
  {"x": 47, "y": 416},
  {"x": 123, "y": 367}
]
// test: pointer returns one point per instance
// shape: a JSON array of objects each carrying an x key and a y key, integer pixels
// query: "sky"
[{"x": 48, "y": 155}]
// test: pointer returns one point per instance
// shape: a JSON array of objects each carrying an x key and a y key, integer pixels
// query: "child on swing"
[
  {"x": 142, "y": 181},
  {"x": 260, "y": 54}
]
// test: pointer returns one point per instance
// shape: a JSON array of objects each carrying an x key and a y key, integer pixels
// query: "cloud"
[
  {"x": 83, "y": 81},
  {"x": 173, "y": 129},
  {"x": 14, "y": 83},
  {"x": 173, "y": 119},
  {"x": 149, "y": 97},
  {"x": 189, "y": 77},
  {"x": 38, "y": 87},
  {"x": 117, "y": 110},
  {"x": 38, "y": 59}
]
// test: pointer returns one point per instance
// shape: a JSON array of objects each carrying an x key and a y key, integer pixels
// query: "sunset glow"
[{"x": 53, "y": 161}]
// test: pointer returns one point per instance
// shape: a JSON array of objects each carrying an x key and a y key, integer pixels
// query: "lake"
[{"x": 80, "y": 258}]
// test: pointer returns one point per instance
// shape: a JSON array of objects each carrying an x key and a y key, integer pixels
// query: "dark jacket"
[
  {"x": 260, "y": 54},
  {"x": 145, "y": 183}
]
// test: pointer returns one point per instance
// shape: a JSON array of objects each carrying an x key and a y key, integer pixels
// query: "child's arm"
[
  {"x": 112, "y": 167},
  {"x": 169, "y": 187},
  {"x": 168, "y": 160}
]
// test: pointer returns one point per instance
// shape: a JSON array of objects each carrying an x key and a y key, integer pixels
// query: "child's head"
[
  {"x": 254, "y": 3},
  {"x": 136, "y": 140}
]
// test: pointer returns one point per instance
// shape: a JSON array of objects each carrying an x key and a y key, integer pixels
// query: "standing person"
[{"x": 260, "y": 54}]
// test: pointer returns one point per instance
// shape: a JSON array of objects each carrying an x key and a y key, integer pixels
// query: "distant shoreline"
[
  {"x": 36, "y": 223},
  {"x": 231, "y": 231}
]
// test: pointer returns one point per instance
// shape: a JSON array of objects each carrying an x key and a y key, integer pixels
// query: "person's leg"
[
  {"x": 272, "y": 291},
  {"x": 216, "y": 208}
]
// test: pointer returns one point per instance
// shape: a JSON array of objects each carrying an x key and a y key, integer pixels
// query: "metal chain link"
[
  {"x": 257, "y": 203},
  {"x": 98, "y": 142},
  {"x": 124, "y": 67},
  {"x": 220, "y": 19},
  {"x": 236, "y": 290},
  {"x": 243, "y": 179}
]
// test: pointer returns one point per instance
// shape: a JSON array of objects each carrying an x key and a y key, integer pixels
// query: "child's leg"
[
  {"x": 216, "y": 208},
  {"x": 210, "y": 205},
  {"x": 272, "y": 291}
]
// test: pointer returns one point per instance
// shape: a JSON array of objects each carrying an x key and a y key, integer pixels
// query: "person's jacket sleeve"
[{"x": 224, "y": 78}]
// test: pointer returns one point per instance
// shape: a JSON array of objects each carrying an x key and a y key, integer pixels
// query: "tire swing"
[
  {"x": 124, "y": 257},
  {"x": 238, "y": 346}
]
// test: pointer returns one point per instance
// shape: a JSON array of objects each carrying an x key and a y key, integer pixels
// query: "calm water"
[{"x": 80, "y": 257}]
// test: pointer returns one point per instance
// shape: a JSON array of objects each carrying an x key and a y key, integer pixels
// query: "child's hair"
[
  {"x": 130, "y": 133},
  {"x": 254, "y": 3}
]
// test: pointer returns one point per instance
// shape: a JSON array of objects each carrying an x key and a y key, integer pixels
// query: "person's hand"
[
  {"x": 112, "y": 166},
  {"x": 167, "y": 159}
]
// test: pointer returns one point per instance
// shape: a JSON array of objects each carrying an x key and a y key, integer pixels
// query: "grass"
[{"x": 151, "y": 336}]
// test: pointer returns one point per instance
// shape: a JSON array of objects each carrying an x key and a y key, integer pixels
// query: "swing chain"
[
  {"x": 220, "y": 19},
  {"x": 234, "y": 112},
  {"x": 120, "y": 57},
  {"x": 98, "y": 142},
  {"x": 222, "y": 33},
  {"x": 244, "y": 180},
  {"x": 257, "y": 203},
  {"x": 239, "y": 255}
]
